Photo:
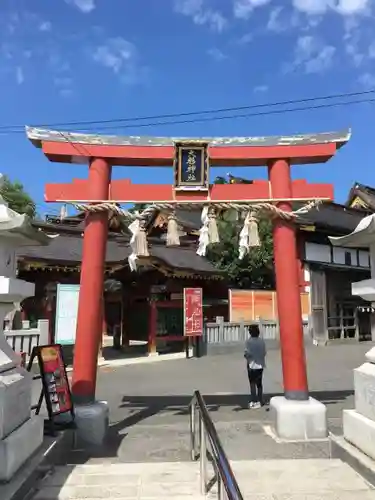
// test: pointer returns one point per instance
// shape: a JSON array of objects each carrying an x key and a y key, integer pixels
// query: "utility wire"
[
  {"x": 20, "y": 128},
  {"x": 217, "y": 118}
]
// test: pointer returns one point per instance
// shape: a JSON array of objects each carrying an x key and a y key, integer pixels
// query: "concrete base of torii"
[
  {"x": 299, "y": 420},
  {"x": 92, "y": 422}
]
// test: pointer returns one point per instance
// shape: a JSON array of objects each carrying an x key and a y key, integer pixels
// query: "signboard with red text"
[{"x": 193, "y": 312}]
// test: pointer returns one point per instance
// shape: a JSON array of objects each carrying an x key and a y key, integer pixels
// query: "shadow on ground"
[{"x": 144, "y": 415}]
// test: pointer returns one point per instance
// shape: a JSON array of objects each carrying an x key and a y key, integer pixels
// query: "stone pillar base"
[
  {"x": 19, "y": 446},
  {"x": 92, "y": 422},
  {"x": 359, "y": 431},
  {"x": 299, "y": 420},
  {"x": 152, "y": 354}
]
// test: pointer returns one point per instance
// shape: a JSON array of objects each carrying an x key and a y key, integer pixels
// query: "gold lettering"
[{"x": 191, "y": 165}]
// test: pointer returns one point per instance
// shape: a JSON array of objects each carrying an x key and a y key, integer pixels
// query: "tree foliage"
[
  {"x": 17, "y": 198},
  {"x": 138, "y": 207},
  {"x": 256, "y": 270}
]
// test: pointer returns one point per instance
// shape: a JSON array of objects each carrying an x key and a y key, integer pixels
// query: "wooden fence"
[{"x": 225, "y": 333}]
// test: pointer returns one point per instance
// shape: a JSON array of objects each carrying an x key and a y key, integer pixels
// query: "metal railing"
[{"x": 227, "y": 485}]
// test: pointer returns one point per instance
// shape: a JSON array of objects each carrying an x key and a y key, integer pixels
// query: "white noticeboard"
[{"x": 66, "y": 314}]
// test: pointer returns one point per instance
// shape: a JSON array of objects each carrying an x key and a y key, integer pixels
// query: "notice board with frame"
[
  {"x": 55, "y": 384},
  {"x": 193, "y": 312}
]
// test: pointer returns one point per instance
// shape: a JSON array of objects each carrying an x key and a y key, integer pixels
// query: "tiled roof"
[
  {"x": 67, "y": 248},
  {"x": 335, "y": 217},
  {"x": 365, "y": 193}
]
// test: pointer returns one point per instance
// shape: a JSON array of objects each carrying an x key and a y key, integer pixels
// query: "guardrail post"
[
  {"x": 192, "y": 431},
  {"x": 241, "y": 331},
  {"x": 220, "y": 322},
  {"x": 203, "y": 457},
  {"x": 219, "y": 487}
]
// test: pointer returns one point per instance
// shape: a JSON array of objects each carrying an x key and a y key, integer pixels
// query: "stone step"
[{"x": 312, "y": 479}]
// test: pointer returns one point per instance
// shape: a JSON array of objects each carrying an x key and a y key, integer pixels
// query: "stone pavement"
[
  {"x": 258, "y": 480},
  {"x": 150, "y": 421}
]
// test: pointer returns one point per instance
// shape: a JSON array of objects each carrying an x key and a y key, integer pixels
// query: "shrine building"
[{"x": 161, "y": 277}]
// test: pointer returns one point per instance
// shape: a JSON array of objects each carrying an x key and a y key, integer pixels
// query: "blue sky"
[{"x": 75, "y": 60}]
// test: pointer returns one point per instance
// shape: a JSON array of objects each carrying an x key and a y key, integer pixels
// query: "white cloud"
[
  {"x": 216, "y": 54},
  {"x": 311, "y": 6},
  {"x": 280, "y": 20},
  {"x": 200, "y": 14},
  {"x": 371, "y": 50},
  {"x": 85, "y": 6},
  {"x": 260, "y": 89},
  {"x": 367, "y": 80},
  {"x": 64, "y": 85},
  {"x": 352, "y": 50},
  {"x": 121, "y": 56},
  {"x": 188, "y": 7},
  {"x": 321, "y": 61},
  {"x": 115, "y": 54},
  {"x": 20, "y": 77},
  {"x": 45, "y": 26},
  {"x": 274, "y": 21},
  {"x": 243, "y": 8},
  {"x": 245, "y": 39},
  {"x": 312, "y": 55},
  {"x": 344, "y": 7}
]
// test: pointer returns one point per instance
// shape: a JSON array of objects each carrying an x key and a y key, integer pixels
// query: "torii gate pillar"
[
  {"x": 90, "y": 308},
  {"x": 287, "y": 287},
  {"x": 297, "y": 416}
]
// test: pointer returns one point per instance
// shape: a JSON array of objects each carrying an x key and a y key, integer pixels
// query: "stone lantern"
[{"x": 20, "y": 433}]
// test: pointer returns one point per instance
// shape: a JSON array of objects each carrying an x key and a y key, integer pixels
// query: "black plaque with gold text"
[{"x": 191, "y": 166}]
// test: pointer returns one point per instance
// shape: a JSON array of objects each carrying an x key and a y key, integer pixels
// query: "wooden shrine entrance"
[{"x": 191, "y": 159}]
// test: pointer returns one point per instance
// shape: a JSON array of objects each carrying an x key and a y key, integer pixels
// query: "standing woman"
[{"x": 255, "y": 354}]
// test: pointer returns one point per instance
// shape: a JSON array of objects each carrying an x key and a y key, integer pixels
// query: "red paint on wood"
[
  {"x": 124, "y": 190},
  {"x": 89, "y": 320},
  {"x": 288, "y": 289},
  {"x": 66, "y": 152}
]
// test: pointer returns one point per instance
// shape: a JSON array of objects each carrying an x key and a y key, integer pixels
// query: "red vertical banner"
[{"x": 193, "y": 312}]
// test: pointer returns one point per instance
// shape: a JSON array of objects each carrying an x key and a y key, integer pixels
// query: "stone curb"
[
  {"x": 23, "y": 484},
  {"x": 361, "y": 463}
]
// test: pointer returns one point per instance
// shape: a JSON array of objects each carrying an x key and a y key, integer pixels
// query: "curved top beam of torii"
[{"x": 71, "y": 147}]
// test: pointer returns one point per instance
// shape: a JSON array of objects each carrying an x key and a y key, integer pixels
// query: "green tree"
[
  {"x": 256, "y": 270},
  {"x": 17, "y": 198},
  {"x": 138, "y": 207}
]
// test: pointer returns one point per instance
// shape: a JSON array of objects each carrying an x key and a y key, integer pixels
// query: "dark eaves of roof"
[
  {"x": 366, "y": 193},
  {"x": 67, "y": 248},
  {"x": 333, "y": 216}
]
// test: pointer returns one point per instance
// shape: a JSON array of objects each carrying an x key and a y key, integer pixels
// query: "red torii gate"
[{"x": 100, "y": 153}]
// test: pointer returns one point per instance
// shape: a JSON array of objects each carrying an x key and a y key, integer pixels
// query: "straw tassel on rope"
[
  {"x": 249, "y": 236},
  {"x": 140, "y": 241},
  {"x": 213, "y": 233},
  {"x": 173, "y": 238},
  {"x": 204, "y": 238},
  {"x": 254, "y": 240}
]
